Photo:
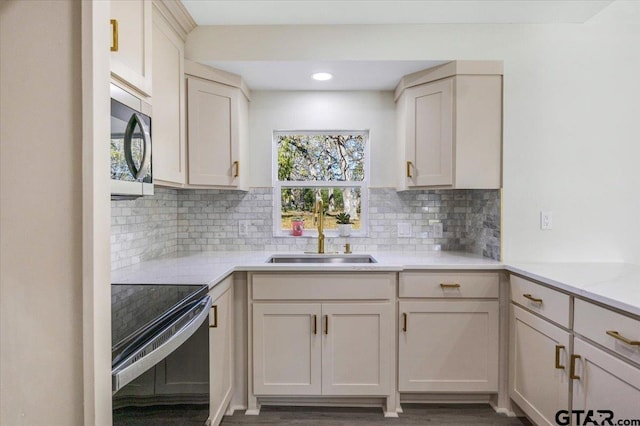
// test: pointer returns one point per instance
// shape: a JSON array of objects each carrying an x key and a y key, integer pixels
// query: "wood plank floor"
[{"x": 414, "y": 414}]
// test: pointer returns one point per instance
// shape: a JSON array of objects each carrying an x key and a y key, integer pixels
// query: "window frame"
[{"x": 278, "y": 184}]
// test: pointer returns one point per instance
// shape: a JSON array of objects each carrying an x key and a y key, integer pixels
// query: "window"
[{"x": 327, "y": 165}]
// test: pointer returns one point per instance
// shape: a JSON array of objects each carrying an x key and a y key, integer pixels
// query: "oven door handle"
[{"x": 138, "y": 362}]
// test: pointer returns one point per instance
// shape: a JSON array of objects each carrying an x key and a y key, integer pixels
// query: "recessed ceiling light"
[{"x": 322, "y": 76}]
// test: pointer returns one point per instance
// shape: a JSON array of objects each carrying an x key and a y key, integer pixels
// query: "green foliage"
[
  {"x": 326, "y": 158},
  {"x": 315, "y": 157},
  {"x": 343, "y": 219}
]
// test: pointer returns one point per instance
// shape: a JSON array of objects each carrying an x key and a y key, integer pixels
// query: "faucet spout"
[{"x": 319, "y": 217}]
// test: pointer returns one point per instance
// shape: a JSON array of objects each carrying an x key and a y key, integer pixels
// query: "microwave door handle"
[
  {"x": 121, "y": 376},
  {"x": 137, "y": 121},
  {"x": 146, "y": 154}
]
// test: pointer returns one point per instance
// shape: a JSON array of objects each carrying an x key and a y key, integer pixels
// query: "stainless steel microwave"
[{"x": 131, "y": 153}]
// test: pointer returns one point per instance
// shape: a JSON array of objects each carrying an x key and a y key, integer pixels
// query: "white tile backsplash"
[{"x": 203, "y": 220}]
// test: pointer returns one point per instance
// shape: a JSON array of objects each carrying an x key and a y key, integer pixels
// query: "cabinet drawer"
[
  {"x": 324, "y": 286},
  {"x": 594, "y": 322},
  {"x": 449, "y": 285},
  {"x": 547, "y": 302}
]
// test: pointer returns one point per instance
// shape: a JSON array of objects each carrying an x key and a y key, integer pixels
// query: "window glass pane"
[
  {"x": 298, "y": 203},
  {"x": 320, "y": 157}
]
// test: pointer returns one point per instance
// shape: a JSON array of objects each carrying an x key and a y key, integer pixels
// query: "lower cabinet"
[
  {"x": 539, "y": 366},
  {"x": 448, "y": 346},
  {"x": 318, "y": 337},
  {"x": 598, "y": 382},
  {"x": 220, "y": 350},
  {"x": 448, "y": 331},
  {"x": 287, "y": 349},
  {"x": 603, "y": 382},
  {"x": 322, "y": 348},
  {"x": 356, "y": 354}
]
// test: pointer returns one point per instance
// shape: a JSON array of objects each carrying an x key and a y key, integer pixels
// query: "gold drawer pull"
[
  {"x": 452, "y": 285},
  {"x": 558, "y": 365},
  {"x": 533, "y": 299},
  {"x": 572, "y": 369},
  {"x": 236, "y": 166},
  {"x": 404, "y": 322},
  {"x": 409, "y": 169},
  {"x": 114, "y": 35},
  {"x": 620, "y": 337},
  {"x": 326, "y": 324},
  {"x": 215, "y": 317}
]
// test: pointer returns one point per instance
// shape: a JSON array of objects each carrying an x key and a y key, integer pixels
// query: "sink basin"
[{"x": 321, "y": 258}]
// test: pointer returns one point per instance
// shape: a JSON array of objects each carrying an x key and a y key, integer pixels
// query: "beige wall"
[
  {"x": 41, "y": 365},
  {"x": 571, "y": 102}
]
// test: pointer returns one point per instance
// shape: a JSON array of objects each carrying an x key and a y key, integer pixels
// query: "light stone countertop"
[
  {"x": 212, "y": 267},
  {"x": 613, "y": 284}
]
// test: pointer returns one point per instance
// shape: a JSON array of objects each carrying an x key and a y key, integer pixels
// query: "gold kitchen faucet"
[{"x": 318, "y": 218}]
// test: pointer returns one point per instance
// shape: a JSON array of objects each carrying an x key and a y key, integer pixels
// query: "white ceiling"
[
  {"x": 368, "y": 75},
  {"x": 327, "y": 12},
  {"x": 348, "y": 75}
]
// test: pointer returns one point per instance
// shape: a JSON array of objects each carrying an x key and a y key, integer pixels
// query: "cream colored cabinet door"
[
  {"x": 169, "y": 121},
  {"x": 539, "y": 366},
  {"x": 448, "y": 346},
  {"x": 356, "y": 348},
  {"x": 429, "y": 134},
  {"x": 449, "y": 127},
  {"x": 212, "y": 120},
  {"x": 605, "y": 383},
  {"x": 286, "y": 349},
  {"x": 131, "y": 62},
  {"x": 221, "y": 355}
]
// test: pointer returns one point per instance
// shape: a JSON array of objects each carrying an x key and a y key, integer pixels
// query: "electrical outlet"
[
  {"x": 546, "y": 220},
  {"x": 438, "y": 229},
  {"x": 243, "y": 228},
  {"x": 404, "y": 230}
]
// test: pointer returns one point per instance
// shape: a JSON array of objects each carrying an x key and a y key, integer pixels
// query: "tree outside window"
[{"x": 326, "y": 165}]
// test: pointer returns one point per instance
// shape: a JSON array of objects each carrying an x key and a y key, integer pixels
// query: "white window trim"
[{"x": 312, "y": 232}]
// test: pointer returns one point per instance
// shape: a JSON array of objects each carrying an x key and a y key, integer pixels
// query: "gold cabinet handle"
[
  {"x": 620, "y": 337},
  {"x": 558, "y": 349},
  {"x": 114, "y": 35},
  {"x": 572, "y": 369},
  {"x": 533, "y": 299},
  {"x": 409, "y": 164},
  {"x": 315, "y": 324},
  {"x": 451, "y": 285},
  {"x": 215, "y": 317},
  {"x": 326, "y": 324},
  {"x": 404, "y": 322},
  {"x": 236, "y": 167}
]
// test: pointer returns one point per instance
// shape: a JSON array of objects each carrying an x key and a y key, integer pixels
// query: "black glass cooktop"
[{"x": 137, "y": 310}]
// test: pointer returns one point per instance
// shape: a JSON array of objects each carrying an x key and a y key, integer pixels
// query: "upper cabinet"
[
  {"x": 169, "y": 120},
  {"x": 131, "y": 44},
  {"x": 449, "y": 124},
  {"x": 217, "y": 123}
]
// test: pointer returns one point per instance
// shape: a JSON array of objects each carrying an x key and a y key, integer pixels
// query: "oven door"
[{"x": 166, "y": 379}]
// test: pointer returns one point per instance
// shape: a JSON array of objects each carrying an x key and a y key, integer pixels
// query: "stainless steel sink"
[{"x": 321, "y": 258}]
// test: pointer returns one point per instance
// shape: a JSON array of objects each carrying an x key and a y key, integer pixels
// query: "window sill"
[{"x": 314, "y": 234}]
